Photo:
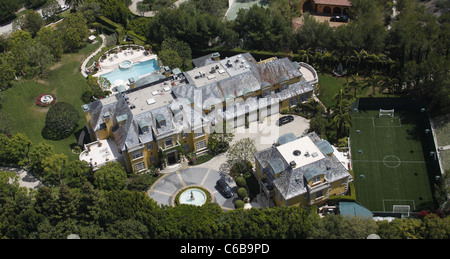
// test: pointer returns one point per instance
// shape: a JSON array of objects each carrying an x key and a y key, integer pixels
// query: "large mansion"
[{"x": 157, "y": 121}]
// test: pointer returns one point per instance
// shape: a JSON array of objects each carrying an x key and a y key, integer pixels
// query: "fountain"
[
  {"x": 47, "y": 99},
  {"x": 340, "y": 71},
  {"x": 192, "y": 196}
]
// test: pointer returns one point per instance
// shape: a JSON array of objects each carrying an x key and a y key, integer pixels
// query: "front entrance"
[{"x": 171, "y": 158}]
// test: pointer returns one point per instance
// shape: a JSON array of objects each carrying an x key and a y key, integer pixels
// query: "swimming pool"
[{"x": 137, "y": 70}]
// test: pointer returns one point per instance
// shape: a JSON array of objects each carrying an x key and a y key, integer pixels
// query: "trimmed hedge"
[
  {"x": 138, "y": 39},
  {"x": 239, "y": 204},
  {"x": 242, "y": 193},
  {"x": 240, "y": 182}
]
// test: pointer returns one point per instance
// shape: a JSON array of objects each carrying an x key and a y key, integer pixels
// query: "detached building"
[
  {"x": 300, "y": 171},
  {"x": 326, "y": 6}
]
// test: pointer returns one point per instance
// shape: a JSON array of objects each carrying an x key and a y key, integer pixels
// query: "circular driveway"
[{"x": 165, "y": 189}]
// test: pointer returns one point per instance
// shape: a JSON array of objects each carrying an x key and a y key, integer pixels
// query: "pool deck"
[{"x": 113, "y": 61}]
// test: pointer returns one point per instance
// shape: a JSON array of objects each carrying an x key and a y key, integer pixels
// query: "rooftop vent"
[
  {"x": 296, "y": 152},
  {"x": 293, "y": 164}
]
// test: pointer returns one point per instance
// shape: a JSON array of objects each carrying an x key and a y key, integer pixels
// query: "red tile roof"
[{"x": 334, "y": 2}]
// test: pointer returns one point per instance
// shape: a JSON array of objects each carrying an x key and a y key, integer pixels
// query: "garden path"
[{"x": 83, "y": 65}]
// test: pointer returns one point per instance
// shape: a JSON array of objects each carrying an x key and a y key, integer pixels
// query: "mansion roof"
[
  {"x": 334, "y": 2},
  {"x": 150, "y": 111},
  {"x": 292, "y": 180}
]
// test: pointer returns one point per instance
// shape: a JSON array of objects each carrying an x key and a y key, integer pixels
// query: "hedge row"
[{"x": 138, "y": 39}]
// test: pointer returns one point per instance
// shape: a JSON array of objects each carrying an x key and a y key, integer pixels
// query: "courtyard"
[{"x": 264, "y": 134}]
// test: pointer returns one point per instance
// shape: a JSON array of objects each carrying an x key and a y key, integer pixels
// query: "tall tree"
[
  {"x": 342, "y": 119},
  {"x": 61, "y": 121},
  {"x": 111, "y": 176}
]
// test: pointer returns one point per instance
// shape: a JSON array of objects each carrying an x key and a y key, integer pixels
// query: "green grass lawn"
[
  {"x": 66, "y": 82},
  {"x": 329, "y": 86},
  {"x": 391, "y": 167}
]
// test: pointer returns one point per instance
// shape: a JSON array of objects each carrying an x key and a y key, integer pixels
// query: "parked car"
[
  {"x": 64, "y": 8},
  {"x": 339, "y": 18},
  {"x": 223, "y": 186},
  {"x": 285, "y": 119}
]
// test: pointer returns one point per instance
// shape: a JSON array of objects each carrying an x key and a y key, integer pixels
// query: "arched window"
[{"x": 327, "y": 9}]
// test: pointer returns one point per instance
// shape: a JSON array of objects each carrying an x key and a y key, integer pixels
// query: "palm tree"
[
  {"x": 342, "y": 94},
  {"x": 354, "y": 85},
  {"x": 305, "y": 55},
  {"x": 359, "y": 57},
  {"x": 342, "y": 119}
]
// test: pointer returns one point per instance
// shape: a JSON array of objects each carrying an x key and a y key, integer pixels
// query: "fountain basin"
[{"x": 193, "y": 196}]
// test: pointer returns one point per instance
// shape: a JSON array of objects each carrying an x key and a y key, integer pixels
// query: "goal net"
[
  {"x": 389, "y": 113},
  {"x": 403, "y": 209}
]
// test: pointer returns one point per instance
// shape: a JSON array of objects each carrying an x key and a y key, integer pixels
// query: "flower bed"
[{"x": 41, "y": 100}]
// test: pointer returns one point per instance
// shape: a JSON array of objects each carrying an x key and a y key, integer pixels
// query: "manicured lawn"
[
  {"x": 329, "y": 86},
  {"x": 66, "y": 82},
  {"x": 390, "y": 161}
]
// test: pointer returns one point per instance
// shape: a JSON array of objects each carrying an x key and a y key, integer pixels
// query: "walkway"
[
  {"x": 444, "y": 147},
  {"x": 83, "y": 66},
  {"x": 25, "y": 179},
  {"x": 206, "y": 175},
  {"x": 166, "y": 188},
  {"x": 133, "y": 8}
]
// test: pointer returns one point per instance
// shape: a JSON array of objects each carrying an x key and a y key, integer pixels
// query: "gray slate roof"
[{"x": 293, "y": 182}]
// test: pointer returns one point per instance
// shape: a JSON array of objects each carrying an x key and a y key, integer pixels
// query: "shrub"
[
  {"x": 242, "y": 192},
  {"x": 61, "y": 121},
  {"x": 240, "y": 182},
  {"x": 243, "y": 168},
  {"x": 239, "y": 204}
]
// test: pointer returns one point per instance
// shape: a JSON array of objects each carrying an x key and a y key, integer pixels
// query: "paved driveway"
[
  {"x": 207, "y": 174},
  {"x": 166, "y": 188}
]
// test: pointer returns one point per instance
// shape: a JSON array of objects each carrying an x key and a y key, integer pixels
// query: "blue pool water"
[{"x": 137, "y": 70}]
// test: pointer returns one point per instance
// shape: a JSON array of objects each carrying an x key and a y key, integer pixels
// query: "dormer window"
[
  {"x": 160, "y": 120},
  {"x": 168, "y": 142},
  {"x": 316, "y": 180},
  {"x": 144, "y": 126}
]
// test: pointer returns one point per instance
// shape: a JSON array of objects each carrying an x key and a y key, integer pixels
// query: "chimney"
[
  {"x": 107, "y": 120},
  {"x": 293, "y": 164},
  {"x": 121, "y": 119},
  {"x": 215, "y": 56},
  {"x": 87, "y": 114}
]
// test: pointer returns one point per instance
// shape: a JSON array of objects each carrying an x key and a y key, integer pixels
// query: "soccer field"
[{"x": 389, "y": 160}]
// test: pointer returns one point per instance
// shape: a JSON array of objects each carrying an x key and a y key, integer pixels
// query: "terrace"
[{"x": 100, "y": 152}]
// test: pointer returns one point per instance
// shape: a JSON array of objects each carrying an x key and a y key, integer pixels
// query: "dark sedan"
[
  {"x": 223, "y": 187},
  {"x": 339, "y": 18},
  {"x": 285, "y": 119}
]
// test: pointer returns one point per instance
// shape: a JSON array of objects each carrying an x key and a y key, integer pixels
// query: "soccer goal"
[
  {"x": 403, "y": 209},
  {"x": 389, "y": 113}
]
